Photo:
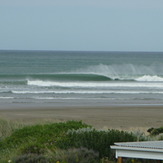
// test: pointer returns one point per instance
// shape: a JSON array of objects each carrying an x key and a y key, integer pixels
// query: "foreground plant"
[
  {"x": 36, "y": 139},
  {"x": 98, "y": 141}
]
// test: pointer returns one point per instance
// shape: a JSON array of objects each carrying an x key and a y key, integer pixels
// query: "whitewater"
[{"x": 90, "y": 78}]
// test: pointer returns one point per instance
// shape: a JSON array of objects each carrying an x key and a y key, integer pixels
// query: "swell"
[
  {"x": 57, "y": 76},
  {"x": 73, "y": 77},
  {"x": 101, "y": 72}
]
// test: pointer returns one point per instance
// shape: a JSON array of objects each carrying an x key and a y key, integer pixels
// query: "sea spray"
[{"x": 149, "y": 78}]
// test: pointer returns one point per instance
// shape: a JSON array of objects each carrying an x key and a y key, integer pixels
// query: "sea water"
[{"x": 65, "y": 78}]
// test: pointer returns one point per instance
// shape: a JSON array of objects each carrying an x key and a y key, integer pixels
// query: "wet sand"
[{"x": 118, "y": 117}]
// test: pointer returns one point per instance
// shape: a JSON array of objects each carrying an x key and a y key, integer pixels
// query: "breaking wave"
[
  {"x": 124, "y": 71},
  {"x": 74, "y": 84},
  {"x": 101, "y": 72}
]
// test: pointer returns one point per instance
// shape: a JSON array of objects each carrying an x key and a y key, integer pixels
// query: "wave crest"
[{"x": 125, "y": 71}]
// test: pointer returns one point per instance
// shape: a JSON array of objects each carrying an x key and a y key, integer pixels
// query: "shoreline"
[
  {"x": 101, "y": 117},
  {"x": 77, "y": 104}
]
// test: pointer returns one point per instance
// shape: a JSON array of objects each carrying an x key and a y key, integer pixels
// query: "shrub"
[
  {"x": 33, "y": 148},
  {"x": 141, "y": 136},
  {"x": 155, "y": 131},
  {"x": 34, "y": 142},
  {"x": 31, "y": 158},
  {"x": 80, "y": 155},
  {"x": 98, "y": 141}
]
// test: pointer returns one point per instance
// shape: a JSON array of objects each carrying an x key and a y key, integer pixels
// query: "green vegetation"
[
  {"x": 155, "y": 131},
  {"x": 81, "y": 155},
  {"x": 98, "y": 141},
  {"x": 68, "y": 142},
  {"x": 35, "y": 139}
]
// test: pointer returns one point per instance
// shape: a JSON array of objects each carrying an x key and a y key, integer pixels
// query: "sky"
[{"x": 82, "y": 25}]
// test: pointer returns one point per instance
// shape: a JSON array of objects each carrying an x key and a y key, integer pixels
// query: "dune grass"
[
  {"x": 7, "y": 127},
  {"x": 35, "y": 139}
]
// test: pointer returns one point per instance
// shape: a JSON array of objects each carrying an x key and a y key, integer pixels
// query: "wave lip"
[{"x": 150, "y": 78}]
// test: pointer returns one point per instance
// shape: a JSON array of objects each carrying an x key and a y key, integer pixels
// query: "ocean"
[{"x": 70, "y": 78}]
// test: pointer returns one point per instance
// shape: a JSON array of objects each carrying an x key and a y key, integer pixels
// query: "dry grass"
[{"x": 7, "y": 127}]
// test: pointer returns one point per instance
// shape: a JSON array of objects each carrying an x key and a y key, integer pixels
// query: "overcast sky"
[{"x": 102, "y": 25}]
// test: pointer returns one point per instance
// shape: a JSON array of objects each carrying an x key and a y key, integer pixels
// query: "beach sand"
[{"x": 117, "y": 117}]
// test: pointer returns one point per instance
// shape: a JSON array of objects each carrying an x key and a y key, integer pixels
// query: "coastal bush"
[
  {"x": 66, "y": 141},
  {"x": 155, "y": 131},
  {"x": 141, "y": 136},
  {"x": 98, "y": 141},
  {"x": 31, "y": 158},
  {"x": 75, "y": 155},
  {"x": 160, "y": 137},
  {"x": 80, "y": 155},
  {"x": 34, "y": 148}
]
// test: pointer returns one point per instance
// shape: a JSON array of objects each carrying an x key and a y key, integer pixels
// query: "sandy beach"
[{"x": 118, "y": 117}]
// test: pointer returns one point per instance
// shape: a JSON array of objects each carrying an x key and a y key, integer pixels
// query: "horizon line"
[{"x": 145, "y": 51}]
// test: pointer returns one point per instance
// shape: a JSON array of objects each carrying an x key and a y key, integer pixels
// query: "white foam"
[
  {"x": 6, "y": 97},
  {"x": 54, "y": 98},
  {"x": 32, "y": 92},
  {"x": 149, "y": 78},
  {"x": 87, "y": 92},
  {"x": 43, "y": 98},
  {"x": 41, "y": 83}
]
